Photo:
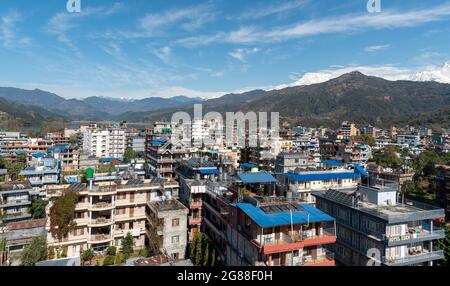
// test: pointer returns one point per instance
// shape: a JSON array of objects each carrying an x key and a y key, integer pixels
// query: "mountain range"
[{"x": 352, "y": 96}]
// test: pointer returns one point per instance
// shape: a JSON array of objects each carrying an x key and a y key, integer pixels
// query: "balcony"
[
  {"x": 196, "y": 204},
  {"x": 14, "y": 203},
  {"x": 100, "y": 238},
  {"x": 414, "y": 257},
  {"x": 195, "y": 220},
  {"x": 423, "y": 235},
  {"x": 287, "y": 241},
  {"x": 101, "y": 206},
  {"x": 100, "y": 222},
  {"x": 326, "y": 259}
]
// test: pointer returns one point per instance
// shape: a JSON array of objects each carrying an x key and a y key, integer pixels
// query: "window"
[
  {"x": 175, "y": 239},
  {"x": 176, "y": 222}
]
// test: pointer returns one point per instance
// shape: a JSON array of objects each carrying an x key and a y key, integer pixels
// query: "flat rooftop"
[
  {"x": 280, "y": 214},
  {"x": 168, "y": 205},
  {"x": 403, "y": 211}
]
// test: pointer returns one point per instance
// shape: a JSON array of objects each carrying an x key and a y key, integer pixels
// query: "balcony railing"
[
  {"x": 101, "y": 221},
  {"x": 327, "y": 258},
  {"x": 416, "y": 257},
  {"x": 102, "y": 205},
  {"x": 423, "y": 235},
  {"x": 195, "y": 220},
  {"x": 100, "y": 237}
]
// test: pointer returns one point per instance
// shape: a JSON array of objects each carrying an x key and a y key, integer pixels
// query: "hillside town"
[{"x": 107, "y": 194}]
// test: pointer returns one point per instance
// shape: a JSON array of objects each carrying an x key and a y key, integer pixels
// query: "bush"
[
  {"x": 112, "y": 250},
  {"x": 109, "y": 260},
  {"x": 88, "y": 254},
  {"x": 143, "y": 252},
  {"x": 35, "y": 252}
]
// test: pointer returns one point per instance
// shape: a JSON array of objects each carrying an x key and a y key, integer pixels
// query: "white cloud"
[
  {"x": 163, "y": 54},
  {"x": 8, "y": 35},
  {"x": 63, "y": 23},
  {"x": 373, "y": 49},
  {"x": 241, "y": 54},
  {"x": 348, "y": 23},
  {"x": 190, "y": 18},
  {"x": 281, "y": 7}
]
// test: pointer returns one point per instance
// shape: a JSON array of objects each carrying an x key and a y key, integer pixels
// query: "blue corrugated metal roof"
[
  {"x": 248, "y": 165},
  {"x": 322, "y": 176},
  {"x": 158, "y": 142},
  {"x": 361, "y": 170},
  {"x": 283, "y": 218},
  {"x": 333, "y": 162},
  {"x": 39, "y": 155},
  {"x": 259, "y": 177},
  {"x": 209, "y": 171}
]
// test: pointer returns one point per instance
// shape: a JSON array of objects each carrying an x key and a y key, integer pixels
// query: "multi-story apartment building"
[
  {"x": 105, "y": 143},
  {"x": 216, "y": 210},
  {"x": 167, "y": 228},
  {"x": 68, "y": 155},
  {"x": 42, "y": 171},
  {"x": 15, "y": 201},
  {"x": 302, "y": 185},
  {"x": 443, "y": 187},
  {"x": 163, "y": 149},
  {"x": 57, "y": 138},
  {"x": 107, "y": 211},
  {"x": 375, "y": 227},
  {"x": 268, "y": 232},
  {"x": 410, "y": 140},
  {"x": 291, "y": 161},
  {"x": 348, "y": 130}
]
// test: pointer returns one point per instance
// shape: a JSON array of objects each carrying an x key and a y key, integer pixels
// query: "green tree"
[
  {"x": 213, "y": 258},
  {"x": 127, "y": 246},
  {"x": 62, "y": 213},
  {"x": 35, "y": 252},
  {"x": 87, "y": 255},
  {"x": 192, "y": 248},
  {"x": 129, "y": 155},
  {"x": 444, "y": 244},
  {"x": 199, "y": 251},
  {"x": 206, "y": 256},
  {"x": 2, "y": 244},
  {"x": 111, "y": 250},
  {"x": 38, "y": 208}
]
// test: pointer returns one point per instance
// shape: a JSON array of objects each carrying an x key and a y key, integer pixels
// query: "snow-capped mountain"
[{"x": 432, "y": 73}]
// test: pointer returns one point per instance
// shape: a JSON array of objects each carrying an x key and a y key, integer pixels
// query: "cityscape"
[{"x": 346, "y": 166}]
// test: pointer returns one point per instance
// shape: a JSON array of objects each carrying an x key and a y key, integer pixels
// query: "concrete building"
[
  {"x": 270, "y": 232},
  {"x": 167, "y": 228},
  {"x": 18, "y": 235},
  {"x": 409, "y": 140},
  {"x": 302, "y": 185},
  {"x": 290, "y": 161},
  {"x": 15, "y": 201},
  {"x": 104, "y": 143},
  {"x": 375, "y": 227},
  {"x": 164, "y": 148},
  {"x": 42, "y": 171},
  {"x": 107, "y": 211},
  {"x": 348, "y": 130}
]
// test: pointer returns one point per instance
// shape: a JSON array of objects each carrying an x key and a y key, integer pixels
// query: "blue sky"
[{"x": 141, "y": 48}]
